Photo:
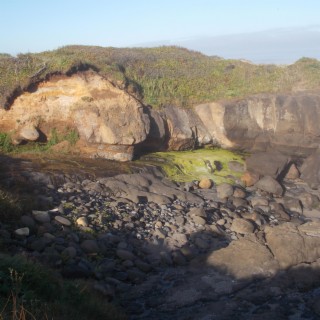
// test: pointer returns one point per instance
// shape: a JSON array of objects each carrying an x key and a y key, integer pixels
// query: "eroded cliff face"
[
  {"x": 114, "y": 125},
  {"x": 287, "y": 123},
  {"x": 102, "y": 114}
]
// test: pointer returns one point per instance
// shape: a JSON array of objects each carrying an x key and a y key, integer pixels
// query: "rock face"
[
  {"x": 101, "y": 113},
  {"x": 112, "y": 123},
  {"x": 287, "y": 123}
]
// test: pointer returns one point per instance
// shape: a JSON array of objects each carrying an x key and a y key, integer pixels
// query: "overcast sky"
[{"x": 266, "y": 31}]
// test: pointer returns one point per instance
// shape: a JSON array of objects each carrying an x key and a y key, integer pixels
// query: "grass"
[
  {"x": 158, "y": 76},
  {"x": 7, "y": 147},
  {"x": 30, "y": 291}
]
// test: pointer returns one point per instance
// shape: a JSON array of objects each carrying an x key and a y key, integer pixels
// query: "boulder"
[
  {"x": 310, "y": 170},
  {"x": 272, "y": 164},
  {"x": 267, "y": 183},
  {"x": 291, "y": 244},
  {"x": 244, "y": 259},
  {"x": 180, "y": 135},
  {"x": 284, "y": 122},
  {"x": 86, "y": 102},
  {"x": 293, "y": 172}
]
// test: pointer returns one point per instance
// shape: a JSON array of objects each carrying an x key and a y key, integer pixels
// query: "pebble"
[
  {"x": 125, "y": 254},
  {"x": 62, "y": 220},
  {"x": 82, "y": 221},
  {"x": 242, "y": 226},
  {"x": 90, "y": 246},
  {"x": 22, "y": 232},
  {"x": 41, "y": 216}
]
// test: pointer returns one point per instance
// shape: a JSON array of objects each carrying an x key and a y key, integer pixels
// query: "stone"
[
  {"x": 69, "y": 252},
  {"x": 292, "y": 204},
  {"x": 106, "y": 115},
  {"x": 125, "y": 254},
  {"x": 239, "y": 193},
  {"x": 269, "y": 163},
  {"x": 62, "y": 220},
  {"x": 310, "y": 170},
  {"x": 269, "y": 184},
  {"x": 308, "y": 200},
  {"x": 39, "y": 244},
  {"x": 180, "y": 134},
  {"x": 244, "y": 259},
  {"x": 22, "y": 232},
  {"x": 250, "y": 178},
  {"x": 29, "y": 133},
  {"x": 178, "y": 258},
  {"x": 82, "y": 222},
  {"x": 90, "y": 246},
  {"x": 41, "y": 216},
  {"x": 259, "y": 201},
  {"x": 199, "y": 220},
  {"x": 293, "y": 172},
  {"x": 199, "y": 212},
  {"x": 239, "y": 202},
  {"x": 27, "y": 221},
  {"x": 292, "y": 245},
  {"x": 143, "y": 266},
  {"x": 242, "y": 226},
  {"x": 224, "y": 190},
  {"x": 200, "y": 243},
  {"x": 205, "y": 183},
  {"x": 265, "y": 121}
]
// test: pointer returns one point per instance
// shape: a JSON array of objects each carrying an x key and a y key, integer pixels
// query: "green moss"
[{"x": 184, "y": 166}]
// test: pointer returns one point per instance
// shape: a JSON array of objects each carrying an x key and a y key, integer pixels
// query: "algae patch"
[{"x": 184, "y": 166}]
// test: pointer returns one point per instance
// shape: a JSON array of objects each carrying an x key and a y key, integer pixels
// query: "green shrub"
[{"x": 42, "y": 294}]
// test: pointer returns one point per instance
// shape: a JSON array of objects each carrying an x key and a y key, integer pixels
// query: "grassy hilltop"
[{"x": 160, "y": 75}]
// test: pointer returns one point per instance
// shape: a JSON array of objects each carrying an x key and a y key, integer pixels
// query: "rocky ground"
[{"x": 195, "y": 250}]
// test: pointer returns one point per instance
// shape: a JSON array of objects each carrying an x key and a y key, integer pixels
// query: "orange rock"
[
  {"x": 205, "y": 183},
  {"x": 293, "y": 172},
  {"x": 249, "y": 178}
]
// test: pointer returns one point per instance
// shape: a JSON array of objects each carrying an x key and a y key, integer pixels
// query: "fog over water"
[{"x": 278, "y": 46}]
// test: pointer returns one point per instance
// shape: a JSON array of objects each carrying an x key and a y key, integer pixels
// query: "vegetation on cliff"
[{"x": 163, "y": 75}]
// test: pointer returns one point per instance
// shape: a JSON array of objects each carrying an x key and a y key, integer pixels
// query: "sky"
[{"x": 263, "y": 31}]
